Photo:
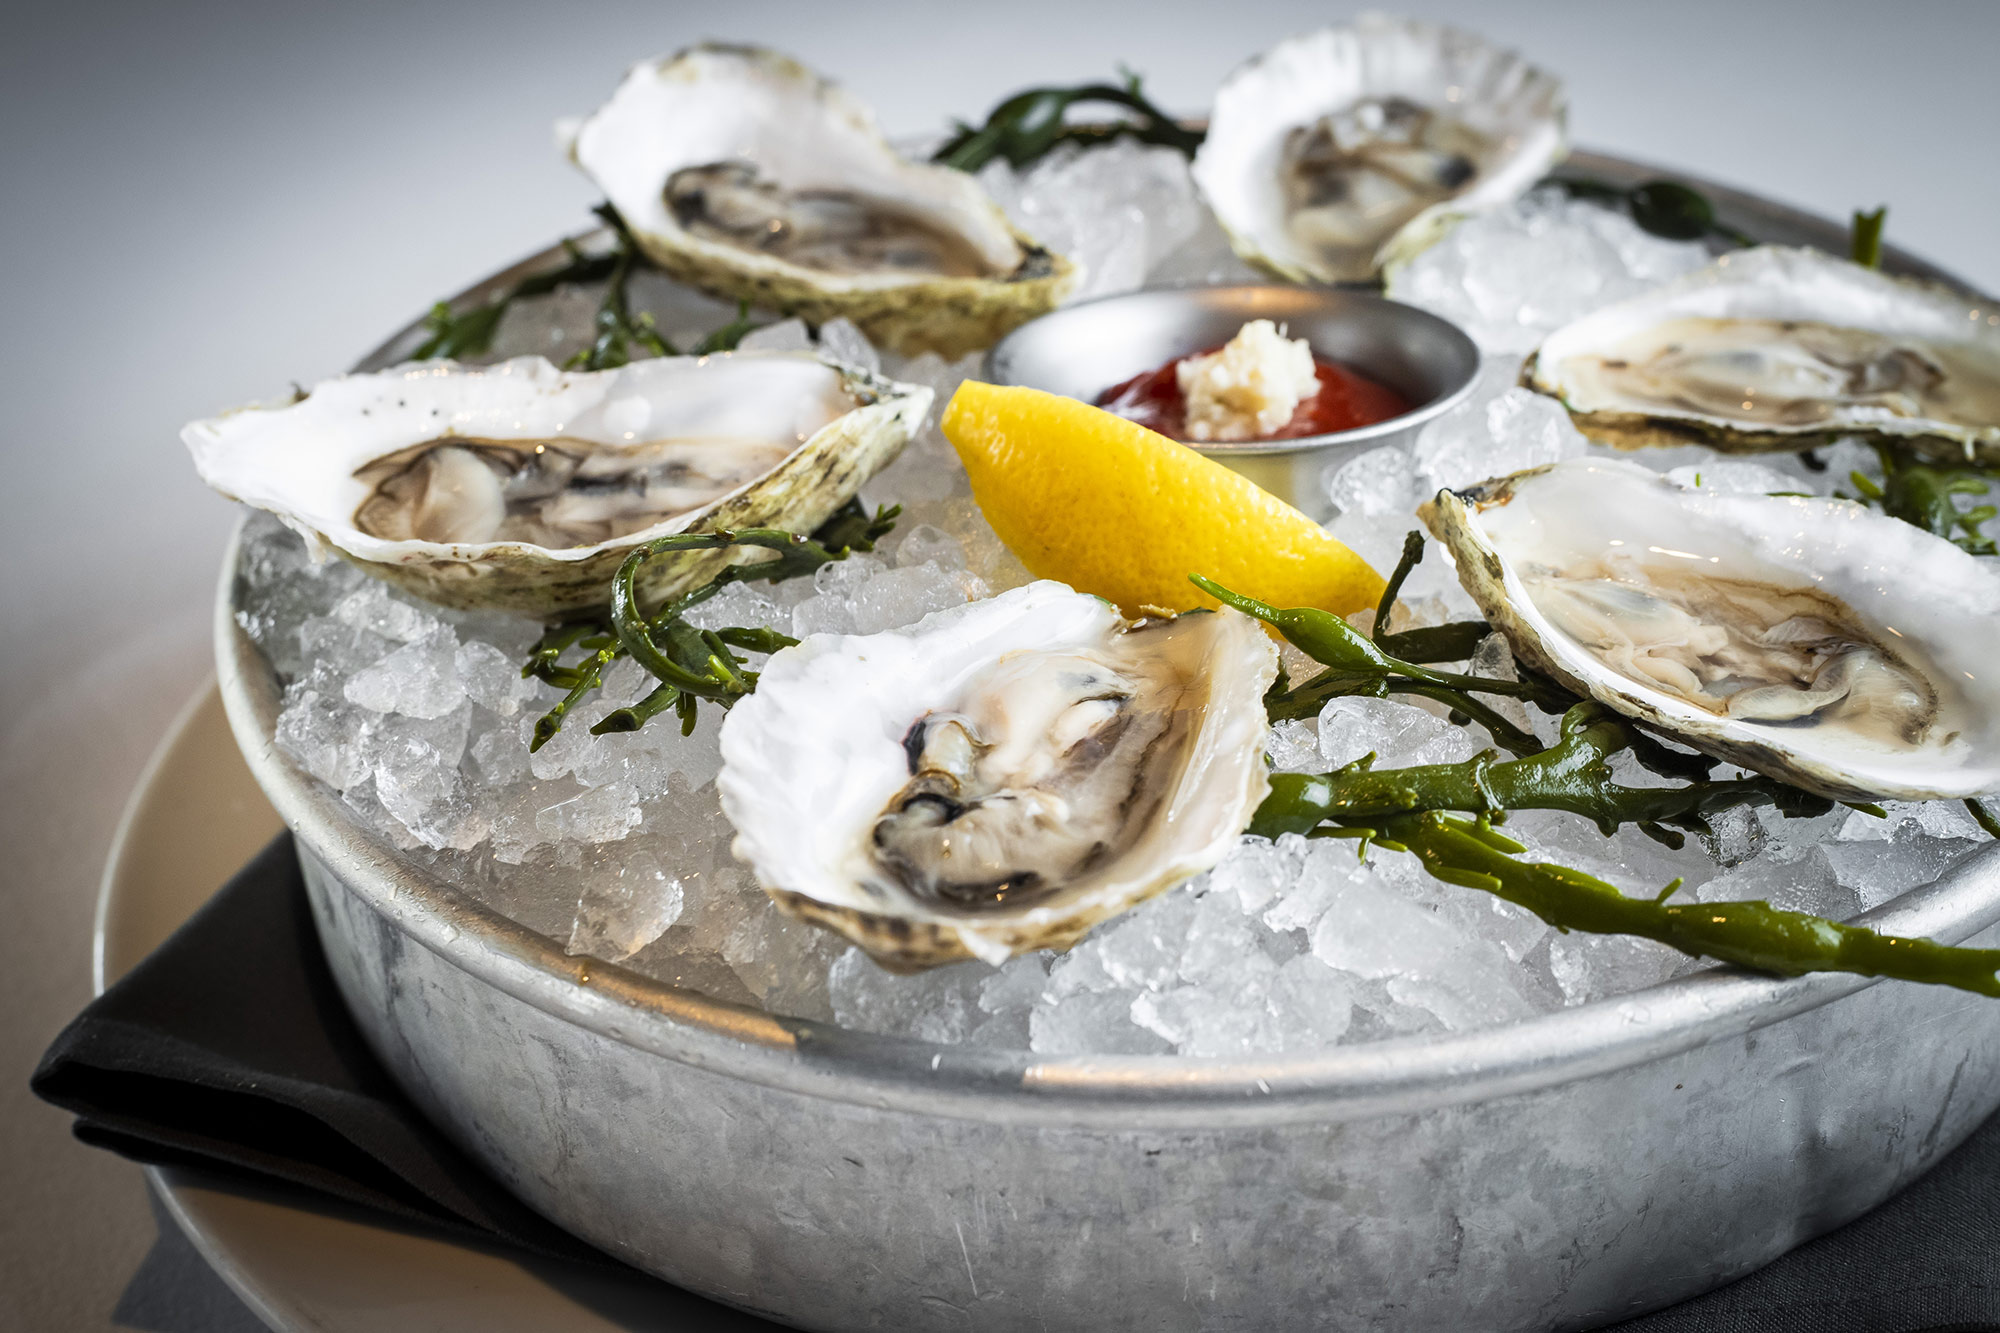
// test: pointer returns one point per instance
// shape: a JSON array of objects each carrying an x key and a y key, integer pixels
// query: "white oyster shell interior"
[
  {"x": 1813, "y": 639},
  {"x": 1340, "y": 151},
  {"x": 744, "y": 150},
  {"x": 1782, "y": 342},
  {"x": 518, "y": 454},
  {"x": 1000, "y": 776}
]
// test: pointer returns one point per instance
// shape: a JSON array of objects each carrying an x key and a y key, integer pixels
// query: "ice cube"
[
  {"x": 1787, "y": 838},
  {"x": 898, "y": 597},
  {"x": 1293, "y": 747},
  {"x": 602, "y": 814},
  {"x": 1876, "y": 871},
  {"x": 330, "y": 738},
  {"x": 1380, "y": 482},
  {"x": 623, "y": 683},
  {"x": 1805, "y": 883},
  {"x": 416, "y": 769},
  {"x": 420, "y": 679},
  {"x": 329, "y": 645},
  {"x": 1518, "y": 429},
  {"x": 925, "y": 544},
  {"x": 372, "y": 607},
  {"x": 1204, "y": 259},
  {"x": 1511, "y": 276},
  {"x": 843, "y": 342},
  {"x": 1255, "y": 872},
  {"x": 1324, "y": 864},
  {"x": 1312, "y": 1005},
  {"x": 1092, "y": 1023},
  {"x": 940, "y": 1005},
  {"x": 1201, "y": 1021},
  {"x": 499, "y": 756},
  {"x": 1016, "y": 985},
  {"x": 492, "y": 679},
  {"x": 562, "y": 752},
  {"x": 1592, "y": 967},
  {"x": 787, "y": 335},
  {"x": 623, "y": 907},
  {"x": 744, "y": 605},
  {"x": 831, "y": 608},
  {"x": 1143, "y": 948},
  {"x": 784, "y": 962},
  {"x": 1399, "y": 734},
  {"x": 512, "y": 809},
  {"x": 1080, "y": 971},
  {"x": 1005, "y": 1031},
  {"x": 1116, "y": 209},
  {"x": 1935, "y": 819},
  {"x": 1371, "y": 930}
]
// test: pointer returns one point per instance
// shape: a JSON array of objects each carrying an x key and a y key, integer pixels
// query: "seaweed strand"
[
  {"x": 693, "y": 665},
  {"x": 1756, "y": 935}
]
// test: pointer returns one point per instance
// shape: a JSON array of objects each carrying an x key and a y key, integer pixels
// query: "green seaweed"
[
  {"x": 693, "y": 665},
  {"x": 619, "y": 335},
  {"x": 1446, "y": 814},
  {"x": 1027, "y": 125}
]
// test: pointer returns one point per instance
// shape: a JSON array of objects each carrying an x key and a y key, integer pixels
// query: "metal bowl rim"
[
  {"x": 1302, "y": 444},
  {"x": 1019, "y": 1087}
]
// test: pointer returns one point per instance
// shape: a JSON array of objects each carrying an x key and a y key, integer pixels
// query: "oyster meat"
[
  {"x": 522, "y": 487},
  {"x": 748, "y": 175},
  {"x": 1780, "y": 349},
  {"x": 999, "y": 777},
  {"x": 1813, "y": 640},
  {"x": 1338, "y": 152}
]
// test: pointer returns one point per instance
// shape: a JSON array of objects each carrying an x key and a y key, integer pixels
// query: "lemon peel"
[{"x": 1101, "y": 503}]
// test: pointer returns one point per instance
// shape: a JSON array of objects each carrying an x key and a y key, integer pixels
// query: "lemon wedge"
[{"x": 1105, "y": 505}]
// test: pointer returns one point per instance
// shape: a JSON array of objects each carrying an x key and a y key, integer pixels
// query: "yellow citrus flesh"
[{"x": 1105, "y": 505}]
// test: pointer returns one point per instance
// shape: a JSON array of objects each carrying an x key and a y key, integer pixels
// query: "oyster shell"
[
  {"x": 752, "y": 177},
  {"x": 522, "y": 487},
  {"x": 1780, "y": 349},
  {"x": 999, "y": 777},
  {"x": 1340, "y": 151},
  {"x": 1812, "y": 640}
]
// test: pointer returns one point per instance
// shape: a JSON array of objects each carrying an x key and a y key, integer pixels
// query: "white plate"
[{"x": 195, "y": 817}]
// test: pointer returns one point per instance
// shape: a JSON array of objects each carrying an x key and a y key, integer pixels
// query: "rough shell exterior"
[
  {"x": 1776, "y": 282},
  {"x": 1882, "y": 568},
  {"x": 1376, "y": 56},
  {"x": 720, "y": 103},
  {"x": 242, "y": 455},
  {"x": 802, "y": 812}
]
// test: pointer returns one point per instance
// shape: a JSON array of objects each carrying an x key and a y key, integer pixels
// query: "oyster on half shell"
[
  {"x": 1780, "y": 349},
  {"x": 1813, "y": 640},
  {"x": 1338, "y": 152},
  {"x": 522, "y": 487},
  {"x": 998, "y": 777},
  {"x": 752, "y": 177}
]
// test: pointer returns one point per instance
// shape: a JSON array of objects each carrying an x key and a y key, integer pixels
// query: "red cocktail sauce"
[{"x": 1346, "y": 400}]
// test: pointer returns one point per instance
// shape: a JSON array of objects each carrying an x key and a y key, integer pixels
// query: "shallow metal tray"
[{"x": 1553, "y": 1173}]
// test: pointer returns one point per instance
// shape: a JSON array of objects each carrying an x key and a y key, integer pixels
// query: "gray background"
[{"x": 201, "y": 203}]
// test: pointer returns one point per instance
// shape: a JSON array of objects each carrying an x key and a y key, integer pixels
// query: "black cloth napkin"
[{"x": 229, "y": 1048}]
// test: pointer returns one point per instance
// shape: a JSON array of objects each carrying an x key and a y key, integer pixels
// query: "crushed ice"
[
  {"x": 616, "y": 846},
  {"x": 1513, "y": 276}
]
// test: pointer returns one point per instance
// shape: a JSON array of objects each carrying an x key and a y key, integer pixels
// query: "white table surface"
[{"x": 203, "y": 202}]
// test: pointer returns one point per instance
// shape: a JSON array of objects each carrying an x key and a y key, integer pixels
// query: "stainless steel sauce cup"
[{"x": 1083, "y": 349}]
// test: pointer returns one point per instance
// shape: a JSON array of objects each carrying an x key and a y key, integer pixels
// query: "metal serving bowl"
[
  {"x": 1083, "y": 349},
  {"x": 1553, "y": 1173}
]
